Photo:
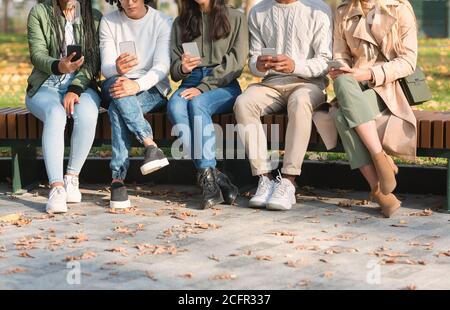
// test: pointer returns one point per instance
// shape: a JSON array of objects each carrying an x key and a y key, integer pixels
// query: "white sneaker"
[
  {"x": 262, "y": 195},
  {"x": 71, "y": 184},
  {"x": 57, "y": 200},
  {"x": 283, "y": 196}
]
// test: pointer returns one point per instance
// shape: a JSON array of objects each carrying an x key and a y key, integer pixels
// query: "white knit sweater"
[{"x": 301, "y": 30}]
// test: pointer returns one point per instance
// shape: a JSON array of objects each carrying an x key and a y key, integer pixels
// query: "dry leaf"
[
  {"x": 150, "y": 275},
  {"x": 446, "y": 253},
  {"x": 297, "y": 263},
  {"x": 79, "y": 238},
  {"x": 15, "y": 270},
  {"x": 224, "y": 277},
  {"x": 188, "y": 275},
  {"x": 264, "y": 257},
  {"x": 121, "y": 250},
  {"x": 426, "y": 212},
  {"x": 283, "y": 233},
  {"x": 328, "y": 274},
  {"x": 25, "y": 254},
  {"x": 213, "y": 257}
]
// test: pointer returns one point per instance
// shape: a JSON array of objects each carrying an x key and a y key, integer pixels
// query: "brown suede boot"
[
  {"x": 386, "y": 170},
  {"x": 389, "y": 203}
]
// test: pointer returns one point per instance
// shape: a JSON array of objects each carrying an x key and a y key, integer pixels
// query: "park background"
[{"x": 434, "y": 55}]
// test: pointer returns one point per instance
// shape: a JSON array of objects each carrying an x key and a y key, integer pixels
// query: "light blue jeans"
[
  {"x": 127, "y": 117},
  {"x": 47, "y": 105},
  {"x": 194, "y": 117}
]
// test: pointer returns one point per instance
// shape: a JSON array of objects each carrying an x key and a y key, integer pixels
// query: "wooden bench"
[{"x": 21, "y": 131}]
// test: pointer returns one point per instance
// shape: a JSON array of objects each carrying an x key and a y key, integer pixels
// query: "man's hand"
[
  {"x": 190, "y": 93},
  {"x": 125, "y": 63},
  {"x": 283, "y": 64},
  {"x": 124, "y": 87},
  {"x": 70, "y": 99},
  {"x": 361, "y": 75},
  {"x": 264, "y": 63},
  {"x": 189, "y": 63},
  {"x": 66, "y": 65}
]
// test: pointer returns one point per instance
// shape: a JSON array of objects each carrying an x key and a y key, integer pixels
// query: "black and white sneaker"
[
  {"x": 154, "y": 160},
  {"x": 119, "y": 196}
]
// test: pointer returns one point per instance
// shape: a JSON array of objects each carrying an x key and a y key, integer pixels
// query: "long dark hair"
[
  {"x": 90, "y": 47},
  {"x": 191, "y": 20}
]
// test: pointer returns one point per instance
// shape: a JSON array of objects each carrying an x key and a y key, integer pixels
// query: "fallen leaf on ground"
[
  {"x": 188, "y": 275},
  {"x": 150, "y": 275},
  {"x": 297, "y": 263},
  {"x": 79, "y": 238},
  {"x": 444, "y": 253},
  {"x": 121, "y": 250},
  {"x": 283, "y": 233},
  {"x": 25, "y": 254},
  {"x": 15, "y": 270},
  {"x": 264, "y": 257},
  {"x": 213, "y": 257},
  {"x": 328, "y": 274},
  {"x": 224, "y": 277},
  {"x": 426, "y": 212},
  {"x": 85, "y": 255}
]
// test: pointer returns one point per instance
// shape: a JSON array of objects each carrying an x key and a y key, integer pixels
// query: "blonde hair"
[{"x": 393, "y": 35}]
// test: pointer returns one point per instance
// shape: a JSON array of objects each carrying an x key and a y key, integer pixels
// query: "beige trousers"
[{"x": 276, "y": 95}]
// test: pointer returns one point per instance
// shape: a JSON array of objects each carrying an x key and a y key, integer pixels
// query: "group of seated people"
[{"x": 123, "y": 60}]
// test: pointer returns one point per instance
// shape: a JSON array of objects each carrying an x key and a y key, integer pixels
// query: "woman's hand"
[
  {"x": 125, "y": 63},
  {"x": 66, "y": 65},
  {"x": 189, "y": 63},
  {"x": 70, "y": 99},
  {"x": 124, "y": 87},
  {"x": 361, "y": 75},
  {"x": 190, "y": 93}
]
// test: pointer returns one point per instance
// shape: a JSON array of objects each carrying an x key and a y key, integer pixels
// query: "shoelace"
[
  {"x": 54, "y": 191},
  {"x": 280, "y": 187},
  {"x": 263, "y": 186}
]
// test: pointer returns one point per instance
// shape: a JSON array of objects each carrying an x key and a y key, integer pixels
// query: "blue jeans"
[
  {"x": 127, "y": 117},
  {"x": 193, "y": 118},
  {"x": 47, "y": 105}
]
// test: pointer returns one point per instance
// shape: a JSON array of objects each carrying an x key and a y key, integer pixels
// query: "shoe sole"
[
  {"x": 277, "y": 207},
  {"x": 50, "y": 211},
  {"x": 120, "y": 204},
  {"x": 73, "y": 200},
  {"x": 257, "y": 204},
  {"x": 212, "y": 203},
  {"x": 153, "y": 166}
]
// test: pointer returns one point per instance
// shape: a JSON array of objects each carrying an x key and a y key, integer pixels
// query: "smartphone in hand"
[
  {"x": 127, "y": 47},
  {"x": 76, "y": 48},
  {"x": 334, "y": 64},
  {"x": 191, "y": 49},
  {"x": 269, "y": 51}
]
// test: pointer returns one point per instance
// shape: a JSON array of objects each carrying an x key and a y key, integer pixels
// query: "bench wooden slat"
[
  {"x": 158, "y": 126},
  {"x": 279, "y": 120},
  {"x": 106, "y": 127},
  {"x": 22, "y": 126},
  {"x": 32, "y": 126},
  {"x": 2, "y": 126},
  {"x": 11, "y": 126}
]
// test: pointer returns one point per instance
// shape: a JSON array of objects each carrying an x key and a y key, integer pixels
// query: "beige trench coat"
[{"x": 353, "y": 44}]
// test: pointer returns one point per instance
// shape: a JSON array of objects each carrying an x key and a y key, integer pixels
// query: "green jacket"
[
  {"x": 44, "y": 51},
  {"x": 228, "y": 56}
]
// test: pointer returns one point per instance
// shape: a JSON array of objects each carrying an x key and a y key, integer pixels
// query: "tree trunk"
[{"x": 5, "y": 16}]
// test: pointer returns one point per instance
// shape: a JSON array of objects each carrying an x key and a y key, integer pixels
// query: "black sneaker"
[
  {"x": 154, "y": 160},
  {"x": 119, "y": 196}
]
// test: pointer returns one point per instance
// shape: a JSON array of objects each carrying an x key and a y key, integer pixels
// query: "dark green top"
[
  {"x": 44, "y": 50},
  {"x": 228, "y": 56}
]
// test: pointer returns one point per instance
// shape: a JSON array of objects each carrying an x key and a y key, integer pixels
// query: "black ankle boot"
[
  {"x": 211, "y": 194},
  {"x": 229, "y": 190}
]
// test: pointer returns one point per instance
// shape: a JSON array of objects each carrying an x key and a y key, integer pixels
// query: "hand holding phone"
[
  {"x": 334, "y": 64},
  {"x": 76, "y": 48},
  {"x": 191, "y": 57},
  {"x": 127, "y": 59}
]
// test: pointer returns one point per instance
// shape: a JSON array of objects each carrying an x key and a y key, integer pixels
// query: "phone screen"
[
  {"x": 127, "y": 47},
  {"x": 191, "y": 49},
  {"x": 269, "y": 51},
  {"x": 74, "y": 49}
]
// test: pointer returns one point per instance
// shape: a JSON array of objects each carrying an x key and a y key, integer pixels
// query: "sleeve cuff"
[
  {"x": 75, "y": 89},
  {"x": 203, "y": 87},
  {"x": 378, "y": 76},
  {"x": 55, "y": 69},
  {"x": 181, "y": 74}
]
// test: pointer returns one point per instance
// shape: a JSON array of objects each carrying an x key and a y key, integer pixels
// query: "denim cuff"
[{"x": 140, "y": 136}]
